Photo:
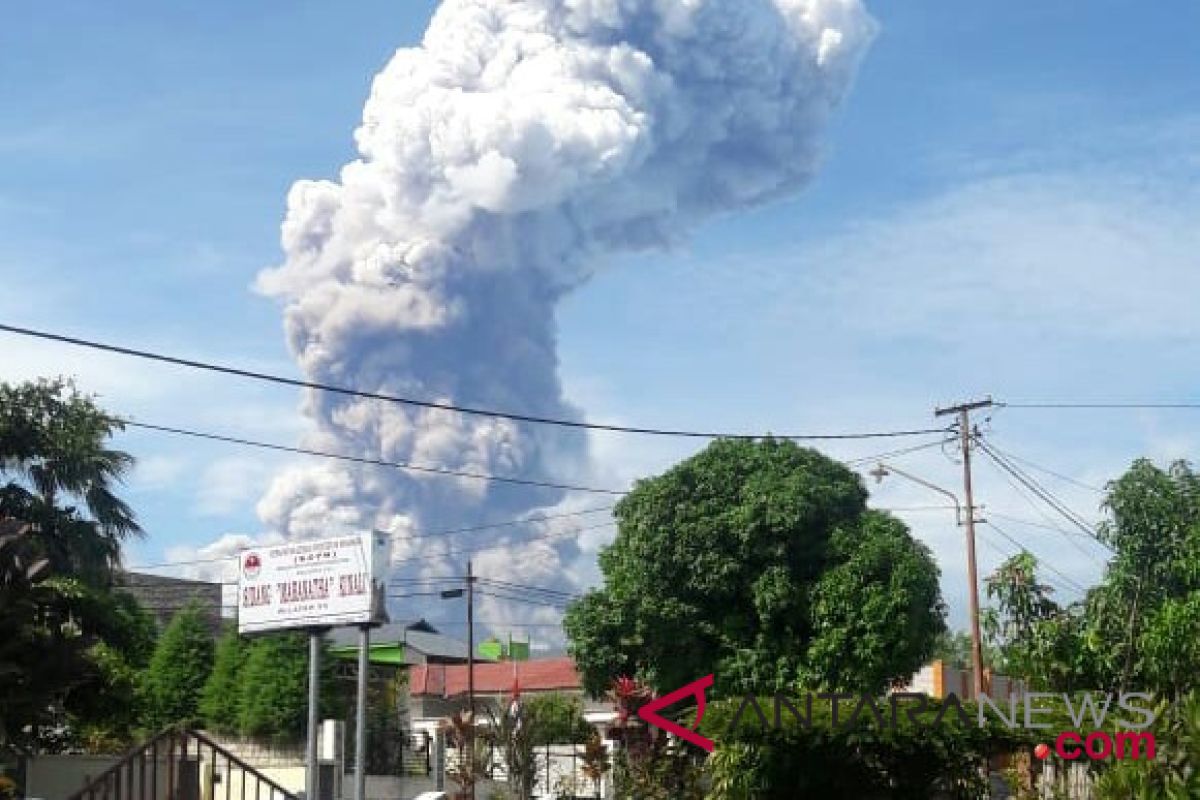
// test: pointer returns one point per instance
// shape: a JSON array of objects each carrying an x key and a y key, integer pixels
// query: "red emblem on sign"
[{"x": 251, "y": 565}]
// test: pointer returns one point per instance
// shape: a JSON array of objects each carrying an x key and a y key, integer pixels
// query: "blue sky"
[{"x": 1008, "y": 206}]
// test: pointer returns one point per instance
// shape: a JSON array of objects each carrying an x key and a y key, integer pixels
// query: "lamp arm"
[{"x": 953, "y": 497}]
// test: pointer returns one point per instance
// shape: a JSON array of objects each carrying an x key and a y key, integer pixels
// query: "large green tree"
[
  {"x": 758, "y": 561},
  {"x": 69, "y": 643},
  {"x": 1137, "y": 629},
  {"x": 178, "y": 671}
]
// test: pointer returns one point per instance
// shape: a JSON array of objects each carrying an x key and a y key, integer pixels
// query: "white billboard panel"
[{"x": 333, "y": 582}]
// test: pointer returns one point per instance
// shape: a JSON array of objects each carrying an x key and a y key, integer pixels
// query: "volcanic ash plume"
[{"x": 499, "y": 163}]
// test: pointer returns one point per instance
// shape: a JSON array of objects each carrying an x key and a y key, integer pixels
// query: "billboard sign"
[{"x": 314, "y": 584}]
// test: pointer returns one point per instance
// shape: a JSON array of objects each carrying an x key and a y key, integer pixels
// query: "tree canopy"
[
  {"x": 273, "y": 688},
  {"x": 220, "y": 699},
  {"x": 69, "y": 643},
  {"x": 178, "y": 671},
  {"x": 1137, "y": 628},
  {"x": 758, "y": 561}
]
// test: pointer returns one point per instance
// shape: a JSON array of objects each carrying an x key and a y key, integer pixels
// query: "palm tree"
[{"x": 61, "y": 475}]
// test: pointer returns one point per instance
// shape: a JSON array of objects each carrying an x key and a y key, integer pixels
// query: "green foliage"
[
  {"x": 1174, "y": 774},
  {"x": 1035, "y": 639},
  {"x": 273, "y": 690},
  {"x": 385, "y": 733},
  {"x": 1137, "y": 628},
  {"x": 1143, "y": 616},
  {"x": 219, "y": 705},
  {"x": 52, "y": 449},
  {"x": 757, "y": 561},
  {"x": 178, "y": 671},
  {"x": 68, "y": 642},
  {"x": 668, "y": 771},
  {"x": 954, "y": 648},
  {"x": 898, "y": 760},
  {"x": 555, "y": 718}
]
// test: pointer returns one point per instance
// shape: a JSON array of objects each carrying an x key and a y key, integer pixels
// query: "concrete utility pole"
[{"x": 963, "y": 411}]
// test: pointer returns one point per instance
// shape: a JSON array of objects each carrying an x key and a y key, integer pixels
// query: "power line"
[
  {"x": 1032, "y": 503},
  {"x": 1033, "y": 524},
  {"x": 506, "y": 585},
  {"x": 893, "y": 453},
  {"x": 377, "y": 462},
  {"x": 183, "y": 563},
  {"x": 509, "y": 523},
  {"x": 425, "y": 535},
  {"x": 558, "y": 605},
  {"x": 1041, "y": 562},
  {"x": 1102, "y": 406},
  {"x": 449, "y": 531},
  {"x": 464, "y": 551},
  {"x": 1050, "y": 472},
  {"x": 408, "y": 401},
  {"x": 1044, "y": 494}
]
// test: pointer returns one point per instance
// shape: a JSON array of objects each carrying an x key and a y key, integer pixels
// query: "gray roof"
[
  {"x": 164, "y": 596},
  {"x": 416, "y": 635}
]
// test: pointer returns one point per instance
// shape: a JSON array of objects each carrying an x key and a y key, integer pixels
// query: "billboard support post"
[
  {"x": 314, "y": 700},
  {"x": 316, "y": 585},
  {"x": 360, "y": 714}
]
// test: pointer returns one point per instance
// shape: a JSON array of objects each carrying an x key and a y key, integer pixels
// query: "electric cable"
[{"x": 429, "y": 404}]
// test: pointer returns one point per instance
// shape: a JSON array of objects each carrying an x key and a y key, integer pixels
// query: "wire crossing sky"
[{"x": 938, "y": 203}]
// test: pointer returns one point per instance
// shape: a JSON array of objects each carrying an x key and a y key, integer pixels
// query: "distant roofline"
[{"x": 122, "y": 577}]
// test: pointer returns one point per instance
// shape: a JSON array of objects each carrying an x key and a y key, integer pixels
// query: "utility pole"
[
  {"x": 312, "y": 772},
  {"x": 963, "y": 411},
  {"x": 471, "y": 674},
  {"x": 360, "y": 713}
]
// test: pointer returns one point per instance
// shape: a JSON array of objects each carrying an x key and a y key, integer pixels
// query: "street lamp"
[{"x": 880, "y": 472}]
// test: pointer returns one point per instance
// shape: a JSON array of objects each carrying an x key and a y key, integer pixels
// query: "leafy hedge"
[{"x": 864, "y": 759}]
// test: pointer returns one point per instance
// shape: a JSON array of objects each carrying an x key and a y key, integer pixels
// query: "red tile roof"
[{"x": 450, "y": 680}]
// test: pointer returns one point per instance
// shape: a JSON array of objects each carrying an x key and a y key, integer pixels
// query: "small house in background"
[
  {"x": 164, "y": 597},
  {"x": 940, "y": 679},
  {"x": 437, "y": 691},
  {"x": 401, "y": 644},
  {"x": 495, "y": 650}
]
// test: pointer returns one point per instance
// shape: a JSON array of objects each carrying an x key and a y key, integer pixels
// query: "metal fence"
[{"x": 181, "y": 765}]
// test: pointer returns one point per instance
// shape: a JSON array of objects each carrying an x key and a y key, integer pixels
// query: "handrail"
[
  {"x": 240, "y": 764},
  {"x": 103, "y": 777},
  {"x": 100, "y": 785}
]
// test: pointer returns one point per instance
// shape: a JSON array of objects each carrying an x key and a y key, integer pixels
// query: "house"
[
  {"x": 437, "y": 691},
  {"x": 402, "y": 644},
  {"x": 940, "y": 679},
  {"x": 163, "y": 597}
]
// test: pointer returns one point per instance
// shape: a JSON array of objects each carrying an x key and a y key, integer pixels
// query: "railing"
[{"x": 181, "y": 765}]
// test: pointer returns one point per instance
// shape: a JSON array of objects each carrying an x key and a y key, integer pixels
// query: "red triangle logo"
[{"x": 695, "y": 689}]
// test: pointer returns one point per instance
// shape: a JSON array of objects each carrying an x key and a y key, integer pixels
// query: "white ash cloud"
[{"x": 499, "y": 163}]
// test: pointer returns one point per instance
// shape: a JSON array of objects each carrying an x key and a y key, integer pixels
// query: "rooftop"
[
  {"x": 450, "y": 680},
  {"x": 415, "y": 635}
]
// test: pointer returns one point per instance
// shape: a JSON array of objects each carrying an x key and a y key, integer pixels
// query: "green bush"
[
  {"x": 178, "y": 670},
  {"x": 273, "y": 689},
  {"x": 220, "y": 700},
  {"x": 1175, "y": 773},
  {"x": 864, "y": 760}
]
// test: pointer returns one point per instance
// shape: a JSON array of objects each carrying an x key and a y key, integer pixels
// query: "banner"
[{"x": 311, "y": 584}]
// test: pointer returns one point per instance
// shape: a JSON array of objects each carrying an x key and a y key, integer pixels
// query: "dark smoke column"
[{"x": 499, "y": 163}]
